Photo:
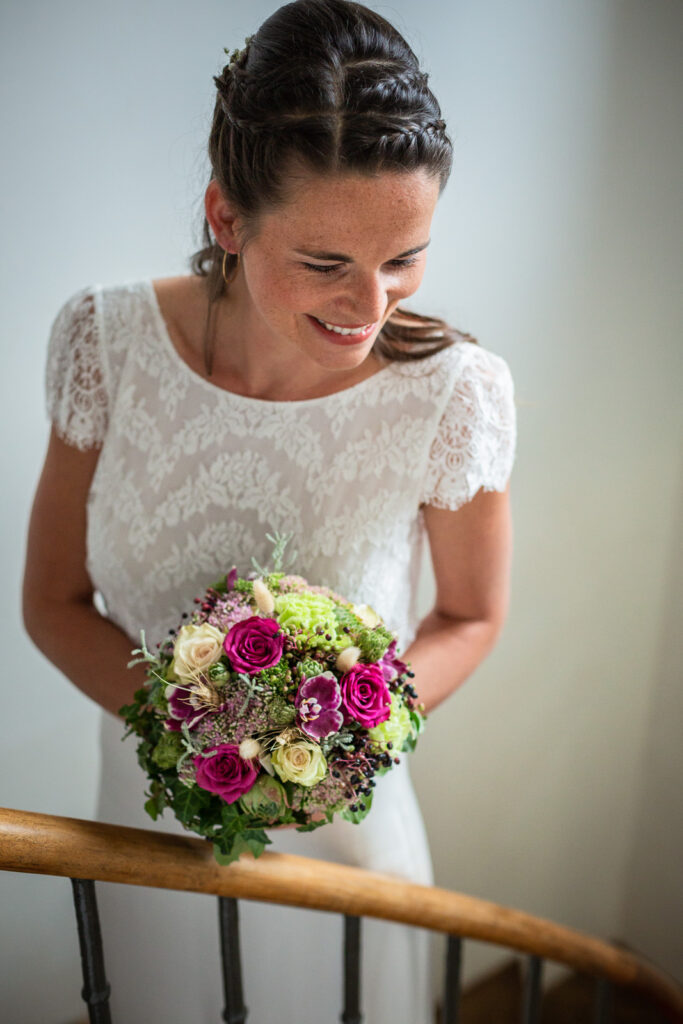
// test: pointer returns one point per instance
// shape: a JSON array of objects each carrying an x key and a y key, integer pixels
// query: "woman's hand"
[{"x": 316, "y": 816}]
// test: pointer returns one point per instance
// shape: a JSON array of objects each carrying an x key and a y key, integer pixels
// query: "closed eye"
[{"x": 411, "y": 261}]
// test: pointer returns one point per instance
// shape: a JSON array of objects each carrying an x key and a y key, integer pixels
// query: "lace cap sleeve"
[
  {"x": 75, "y": 376},
  {"x": 474, "y": 446}
]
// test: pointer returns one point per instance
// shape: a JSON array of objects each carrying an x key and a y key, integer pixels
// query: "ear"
[{"x": 222, "y": 217}]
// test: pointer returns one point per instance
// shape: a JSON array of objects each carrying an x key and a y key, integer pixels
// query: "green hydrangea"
[
  {"x": 397, "y": 728},
  {"x": 310, "y": 613},
  {"x": 168, "y": 750}
]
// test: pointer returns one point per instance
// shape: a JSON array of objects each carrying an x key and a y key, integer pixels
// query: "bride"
[{"x": 280, "y": 385}]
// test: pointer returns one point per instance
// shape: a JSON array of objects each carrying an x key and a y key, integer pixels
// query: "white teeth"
[{"x": 343, "y": 330}]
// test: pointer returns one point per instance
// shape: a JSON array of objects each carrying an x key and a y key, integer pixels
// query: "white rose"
[
  {"x": 196, "y": 649},
  {"x": 301, "y": 762}
]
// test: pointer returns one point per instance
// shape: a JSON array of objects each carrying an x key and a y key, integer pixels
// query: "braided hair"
[{"x": 335, "y": 86}]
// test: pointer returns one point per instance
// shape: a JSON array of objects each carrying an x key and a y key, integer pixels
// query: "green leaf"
[
  {"x": 230, "y": 815},
  {"x": 357, "y": 816},
  {"x": 151, "y": 808},
  {"x": 189, "y": 803},
  {"x": 227, "y": 851},
  {"x": 409, "y": 744},
  {"x": 223, "y": 856}
]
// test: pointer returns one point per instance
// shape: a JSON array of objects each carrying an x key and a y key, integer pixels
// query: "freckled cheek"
[
  {"x": 276, "y": 296},
  {"x": 414, "y": 279}
]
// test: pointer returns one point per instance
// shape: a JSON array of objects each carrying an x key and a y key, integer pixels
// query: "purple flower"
[
  {"x": 225, "y": 774},
  {"x": 181, "y": 710},
  {"x": 230, "y": 579},
  {"x": 365, "y": 695},
  {"x": 254, "y": 644},
  {"x": 317, "y": 701},
  {"x": 391, "y": 666}
]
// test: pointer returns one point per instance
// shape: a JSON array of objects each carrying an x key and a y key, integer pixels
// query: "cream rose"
[
  {"x": 300, "y": 762},
  {"x": 196, "y": 649}
]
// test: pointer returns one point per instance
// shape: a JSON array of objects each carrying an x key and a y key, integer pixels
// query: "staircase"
[
  {"x": 498, "y": 998},
  {"x": 610, "y": 984}
]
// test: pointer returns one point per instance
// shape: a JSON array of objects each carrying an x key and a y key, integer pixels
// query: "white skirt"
[{"x": 161, "y": 948}]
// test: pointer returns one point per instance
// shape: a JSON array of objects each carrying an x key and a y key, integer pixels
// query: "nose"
[{"x": 365, "y": 298}]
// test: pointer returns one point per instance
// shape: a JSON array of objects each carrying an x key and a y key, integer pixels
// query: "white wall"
[{"x": 550, "y": 781}]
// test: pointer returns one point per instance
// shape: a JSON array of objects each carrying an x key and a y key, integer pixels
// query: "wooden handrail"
[{"x": 71, "y": 847}]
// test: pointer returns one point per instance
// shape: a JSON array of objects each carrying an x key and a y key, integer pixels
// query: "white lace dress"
[{"x": 189, "y": 480}]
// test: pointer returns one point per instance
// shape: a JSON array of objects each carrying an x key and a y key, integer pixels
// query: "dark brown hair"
[{"x": 333, "y": 85}]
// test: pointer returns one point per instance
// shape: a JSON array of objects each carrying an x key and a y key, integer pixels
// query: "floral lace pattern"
[{"x": 191, "y": 477}]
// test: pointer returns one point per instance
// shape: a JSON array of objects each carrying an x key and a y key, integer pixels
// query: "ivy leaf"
[
  {"x": 225, "y": 856},
  {"x": 229, "y": 816},
  {"x": 157, "y": 800},
  {"x": 227, "y": 851},
  {"x": 188, "y": 803},
  {"x": 151, "y": 808}
]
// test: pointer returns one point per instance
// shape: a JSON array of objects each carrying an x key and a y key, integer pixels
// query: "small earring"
[{"x": 225, "y": 256}]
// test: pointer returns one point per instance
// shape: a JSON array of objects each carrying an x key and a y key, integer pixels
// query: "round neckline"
[{"x": 215, "y": 389}]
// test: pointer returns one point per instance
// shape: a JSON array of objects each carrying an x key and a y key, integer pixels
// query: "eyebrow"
[{"x": 338, "y": 257}]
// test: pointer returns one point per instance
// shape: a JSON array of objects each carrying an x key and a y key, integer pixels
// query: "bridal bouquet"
[{"x": 276, "y": 703}]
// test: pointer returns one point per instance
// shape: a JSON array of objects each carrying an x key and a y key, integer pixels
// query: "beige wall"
[{"x": 561, "y": 757}]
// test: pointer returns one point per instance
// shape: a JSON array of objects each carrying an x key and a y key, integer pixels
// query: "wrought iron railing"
[{"x": 89, "y": 851}]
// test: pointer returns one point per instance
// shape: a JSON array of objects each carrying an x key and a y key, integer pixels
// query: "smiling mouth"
[{"x": 339, "y": 329}]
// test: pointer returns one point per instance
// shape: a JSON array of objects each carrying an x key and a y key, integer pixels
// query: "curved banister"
[{"x": 74, "y": 848}]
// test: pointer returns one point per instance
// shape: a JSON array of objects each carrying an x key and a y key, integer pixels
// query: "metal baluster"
[
  {"x": 603, "y": 1001},
  {"x": 351, "y": 1013},
  {"x": 451, "y": 999},
  {"x": 235, "y": 1011},
  {"x": 95, "y": 990},
  {"x": 532, "y": 991}
]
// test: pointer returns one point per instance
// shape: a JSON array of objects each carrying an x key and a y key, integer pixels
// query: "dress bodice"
[{"x": 190, "y": 477}]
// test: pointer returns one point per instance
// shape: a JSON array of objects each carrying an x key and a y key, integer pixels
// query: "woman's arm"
[
  {"x": 471, "y": 552},
  {"x": 59, "y": 615}
]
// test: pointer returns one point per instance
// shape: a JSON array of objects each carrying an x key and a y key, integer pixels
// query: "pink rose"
[
  {"x": 225, "y": 774},
  {"x": 254, "y": 644},
  {"x": 365, "y": 695}
]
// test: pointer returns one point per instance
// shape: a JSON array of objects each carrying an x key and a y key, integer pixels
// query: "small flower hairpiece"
[{"x": 235, "y": 56}]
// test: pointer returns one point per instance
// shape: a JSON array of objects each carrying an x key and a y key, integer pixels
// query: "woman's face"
[{"x": 342, "y": 252}]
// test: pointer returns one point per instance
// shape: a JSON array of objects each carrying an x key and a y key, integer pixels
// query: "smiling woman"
[
  {"x": 291, "y": 322},
  {"x": 280, "y": 385}
]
